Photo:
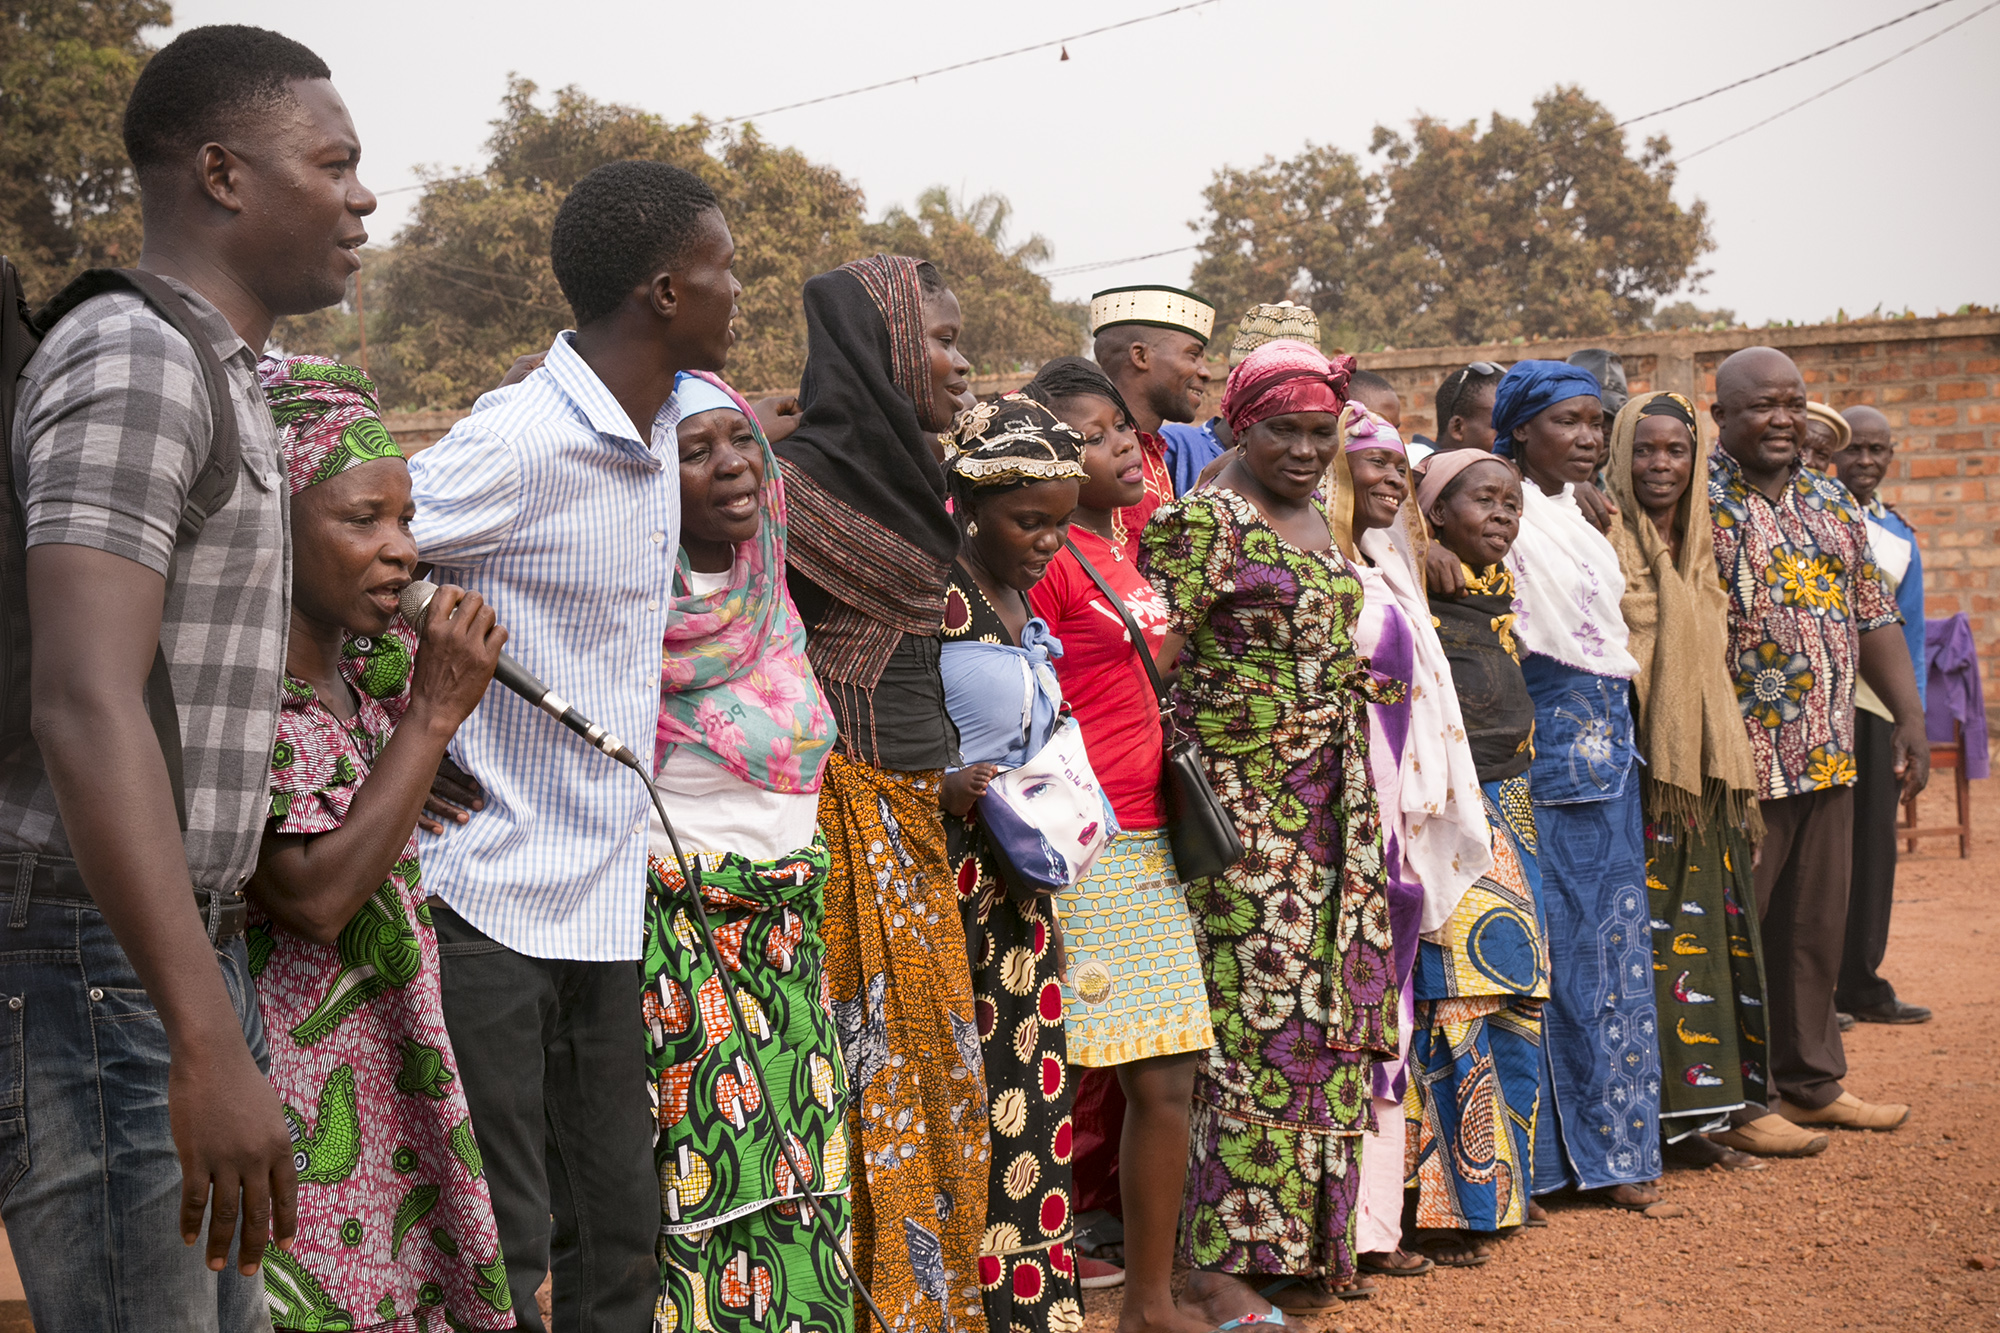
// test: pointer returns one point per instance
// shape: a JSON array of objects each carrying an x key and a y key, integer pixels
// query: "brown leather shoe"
[
  {"x": 1848, "y": 1111},
  {"x": 1772, "y": 1136}
]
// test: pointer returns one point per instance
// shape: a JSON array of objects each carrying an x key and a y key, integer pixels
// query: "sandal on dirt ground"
[
  {"x": 1275, "y": 1319},
  {"x": 1608, "y": 1196},
  {"x": 1538, "y": 1216},
  {"x": 1417, "y": 1264},
  {"x": 1452, "y": 1249},
  {"x": 1362, "y": 1290}
]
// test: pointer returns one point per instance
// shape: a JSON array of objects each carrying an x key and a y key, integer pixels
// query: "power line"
[
  {"x": 1810, "y": 55},
  {"x": 889, "y": 83},
  {"x": 1129, "y": 259},
  {"x": 1689, "y": 157},
  {"x": 967, "y": 64}
]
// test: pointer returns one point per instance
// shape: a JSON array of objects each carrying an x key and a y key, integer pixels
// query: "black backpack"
[{"x": 20, "y": 334}]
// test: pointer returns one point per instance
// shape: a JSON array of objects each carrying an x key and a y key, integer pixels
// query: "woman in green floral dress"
[{"x": 1295, "y": 937}]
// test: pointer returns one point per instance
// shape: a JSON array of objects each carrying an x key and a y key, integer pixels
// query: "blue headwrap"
[
  {"x": 697, "y": 395},
  {"x": 1530, "y": 387}
]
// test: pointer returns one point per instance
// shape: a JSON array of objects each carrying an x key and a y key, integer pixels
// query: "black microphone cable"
[
  {"x": 692, "y": 885},
  {"x": 415, "y": 600}
]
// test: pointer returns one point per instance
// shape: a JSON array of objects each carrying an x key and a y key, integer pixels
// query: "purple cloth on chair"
[{"x": 1953, "y": 693}]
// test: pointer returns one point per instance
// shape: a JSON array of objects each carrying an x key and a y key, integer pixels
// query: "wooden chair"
[{"x": 1949, "y": 755}]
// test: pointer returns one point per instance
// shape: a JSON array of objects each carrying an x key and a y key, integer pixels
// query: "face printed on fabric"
[
  {"x": 948, "y": 366},
  {"x": 1866, "y": 459},
  {"x": 1176, "y": 375},
  {"x": 302, "y": 201},
  {"x": 722, "y": 470},
  {"x": 705, "y": 295},
  {"x": 1021, "y": 530},
  {"x": 1381, "y": 481},
  {"x": 1564, "y": 442},
  {"x": 1471, "y": 427},
  {"x": 1662, "y": 463},
  {"x": 1290, "y": 453},
  {"x": 1110, "y": 452},
  {"x": 352, "y": 553},
  {"x": 1479, "y": 514}
]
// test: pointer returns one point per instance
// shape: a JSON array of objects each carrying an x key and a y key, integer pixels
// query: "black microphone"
[{"x": 416, "y": 604}]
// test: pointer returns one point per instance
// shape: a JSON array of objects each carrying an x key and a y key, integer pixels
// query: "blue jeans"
[{"x": 90, "y": 1184}]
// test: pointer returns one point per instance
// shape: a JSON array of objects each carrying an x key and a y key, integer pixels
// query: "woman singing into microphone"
[{"x": 395, "y": 1222}]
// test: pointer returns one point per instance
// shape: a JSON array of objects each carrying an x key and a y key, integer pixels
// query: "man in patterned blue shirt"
[{"x": 558, "y": 500}]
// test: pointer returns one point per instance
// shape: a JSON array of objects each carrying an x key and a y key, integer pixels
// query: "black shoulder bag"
[{"x": 1202, "y": 831}]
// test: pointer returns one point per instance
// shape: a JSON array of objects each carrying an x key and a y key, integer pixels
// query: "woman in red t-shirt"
[{"x": 1136, "y": 1002}]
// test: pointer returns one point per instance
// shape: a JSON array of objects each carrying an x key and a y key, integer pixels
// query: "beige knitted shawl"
[{"x": 1698, "y": 762}]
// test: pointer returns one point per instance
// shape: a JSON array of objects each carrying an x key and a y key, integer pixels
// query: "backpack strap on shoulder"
[{"x": 212, "y": 486}]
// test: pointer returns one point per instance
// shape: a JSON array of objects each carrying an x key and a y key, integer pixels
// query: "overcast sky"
[{"x": 1883, "y": 192}]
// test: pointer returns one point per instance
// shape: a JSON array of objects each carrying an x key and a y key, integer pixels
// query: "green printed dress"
[
  {"x": 1295, "y": 937},
  {"x": 744, "y": 1245},
  {"x": 396, "y": 1227}
]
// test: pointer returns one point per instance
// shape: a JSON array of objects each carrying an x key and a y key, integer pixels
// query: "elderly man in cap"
[
  {"x": 1861, "y": 462},
  {"x": 1809, "y": 618},
  {"x": 1152, "y": 342}
]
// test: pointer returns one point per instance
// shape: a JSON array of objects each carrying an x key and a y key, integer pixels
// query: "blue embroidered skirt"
[{"x": 1600, "y": 1126}]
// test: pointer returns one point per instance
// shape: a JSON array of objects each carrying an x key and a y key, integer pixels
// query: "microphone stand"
[{"x": 692, "y": 885}]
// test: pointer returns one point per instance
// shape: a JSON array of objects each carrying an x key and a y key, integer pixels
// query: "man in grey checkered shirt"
[{"x": 136, "y": 1101}]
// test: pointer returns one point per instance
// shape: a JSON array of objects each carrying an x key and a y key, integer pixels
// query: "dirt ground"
[{"x": 1882, "y": 1231}]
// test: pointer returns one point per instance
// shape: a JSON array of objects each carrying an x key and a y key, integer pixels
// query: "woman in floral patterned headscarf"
[
  {"x": 743, "y": 737},
  {"x": 396, "y": 1227}
]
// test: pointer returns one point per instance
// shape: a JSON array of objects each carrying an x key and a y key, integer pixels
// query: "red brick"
[
  {"x": 1979, "y": 344},
  {"x": 1964, "y": 389},
  {"x": 1931, "y": 370},
  {"x": 1933, "y": 416},
  {"x": 1937, "y": 608},
  {"x": 1985, "y": 365},
  {"x": 1983, "y": 414},
  {"x": 1851, "y": 397},
  {"x": 1933, "y": 467},
  {"x": 1964, "y": 440}
]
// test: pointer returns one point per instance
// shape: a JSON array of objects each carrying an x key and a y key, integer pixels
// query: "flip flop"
[
  {"x": 1425, "y": 1264},
  {"x": 1276, "y": 1318},
  {"x": 1286, "y": 1283}
]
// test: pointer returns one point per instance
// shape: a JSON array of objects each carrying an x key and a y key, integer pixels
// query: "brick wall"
[{"x": 1937, "y": 380}]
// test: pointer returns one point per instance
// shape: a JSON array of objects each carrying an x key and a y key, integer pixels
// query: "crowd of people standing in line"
[{"x": 1540, "y": 741}]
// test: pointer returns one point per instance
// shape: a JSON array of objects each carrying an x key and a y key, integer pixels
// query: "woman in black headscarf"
[{"x": 870, "y": 554}]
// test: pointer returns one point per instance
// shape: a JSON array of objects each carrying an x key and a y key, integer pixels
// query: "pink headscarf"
[
  {"x": 1283, "y": 377},
  {"x": 1442, "y": 466},
  {"x": 1365, "y": 430},
  {"x": 327, "y": 416}
]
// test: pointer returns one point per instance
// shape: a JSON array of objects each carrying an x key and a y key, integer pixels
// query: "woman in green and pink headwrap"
[{"x": 395, "y": 1227}]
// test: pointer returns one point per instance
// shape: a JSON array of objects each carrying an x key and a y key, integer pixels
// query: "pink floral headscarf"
[{"x": 735, "y": 684}]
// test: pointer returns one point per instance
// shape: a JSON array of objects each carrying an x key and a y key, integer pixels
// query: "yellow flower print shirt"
[{"x": 1802, "y": 591}]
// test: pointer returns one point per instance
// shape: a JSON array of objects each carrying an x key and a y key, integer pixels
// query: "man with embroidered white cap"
[{"x": 1152, "y": 342}]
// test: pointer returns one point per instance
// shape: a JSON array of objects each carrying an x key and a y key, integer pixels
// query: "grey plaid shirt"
[{"x": 111, "y": 429}]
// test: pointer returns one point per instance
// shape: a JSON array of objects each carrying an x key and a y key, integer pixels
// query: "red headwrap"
[{"x": 1282, "y": 377}]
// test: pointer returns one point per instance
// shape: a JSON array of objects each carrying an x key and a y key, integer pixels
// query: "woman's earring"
[{"x": 972, "y": 528}]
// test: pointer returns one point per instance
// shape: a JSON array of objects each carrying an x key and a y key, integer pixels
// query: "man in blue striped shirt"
[{"x": 558, "y": 500}]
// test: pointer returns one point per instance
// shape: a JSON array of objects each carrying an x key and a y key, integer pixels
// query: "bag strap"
[
  {"x": 1138, "y": 639},
  {"x": 211, "y": 488}
]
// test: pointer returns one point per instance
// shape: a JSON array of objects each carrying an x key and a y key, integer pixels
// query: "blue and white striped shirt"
[{"x": 546, "y": 502}]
